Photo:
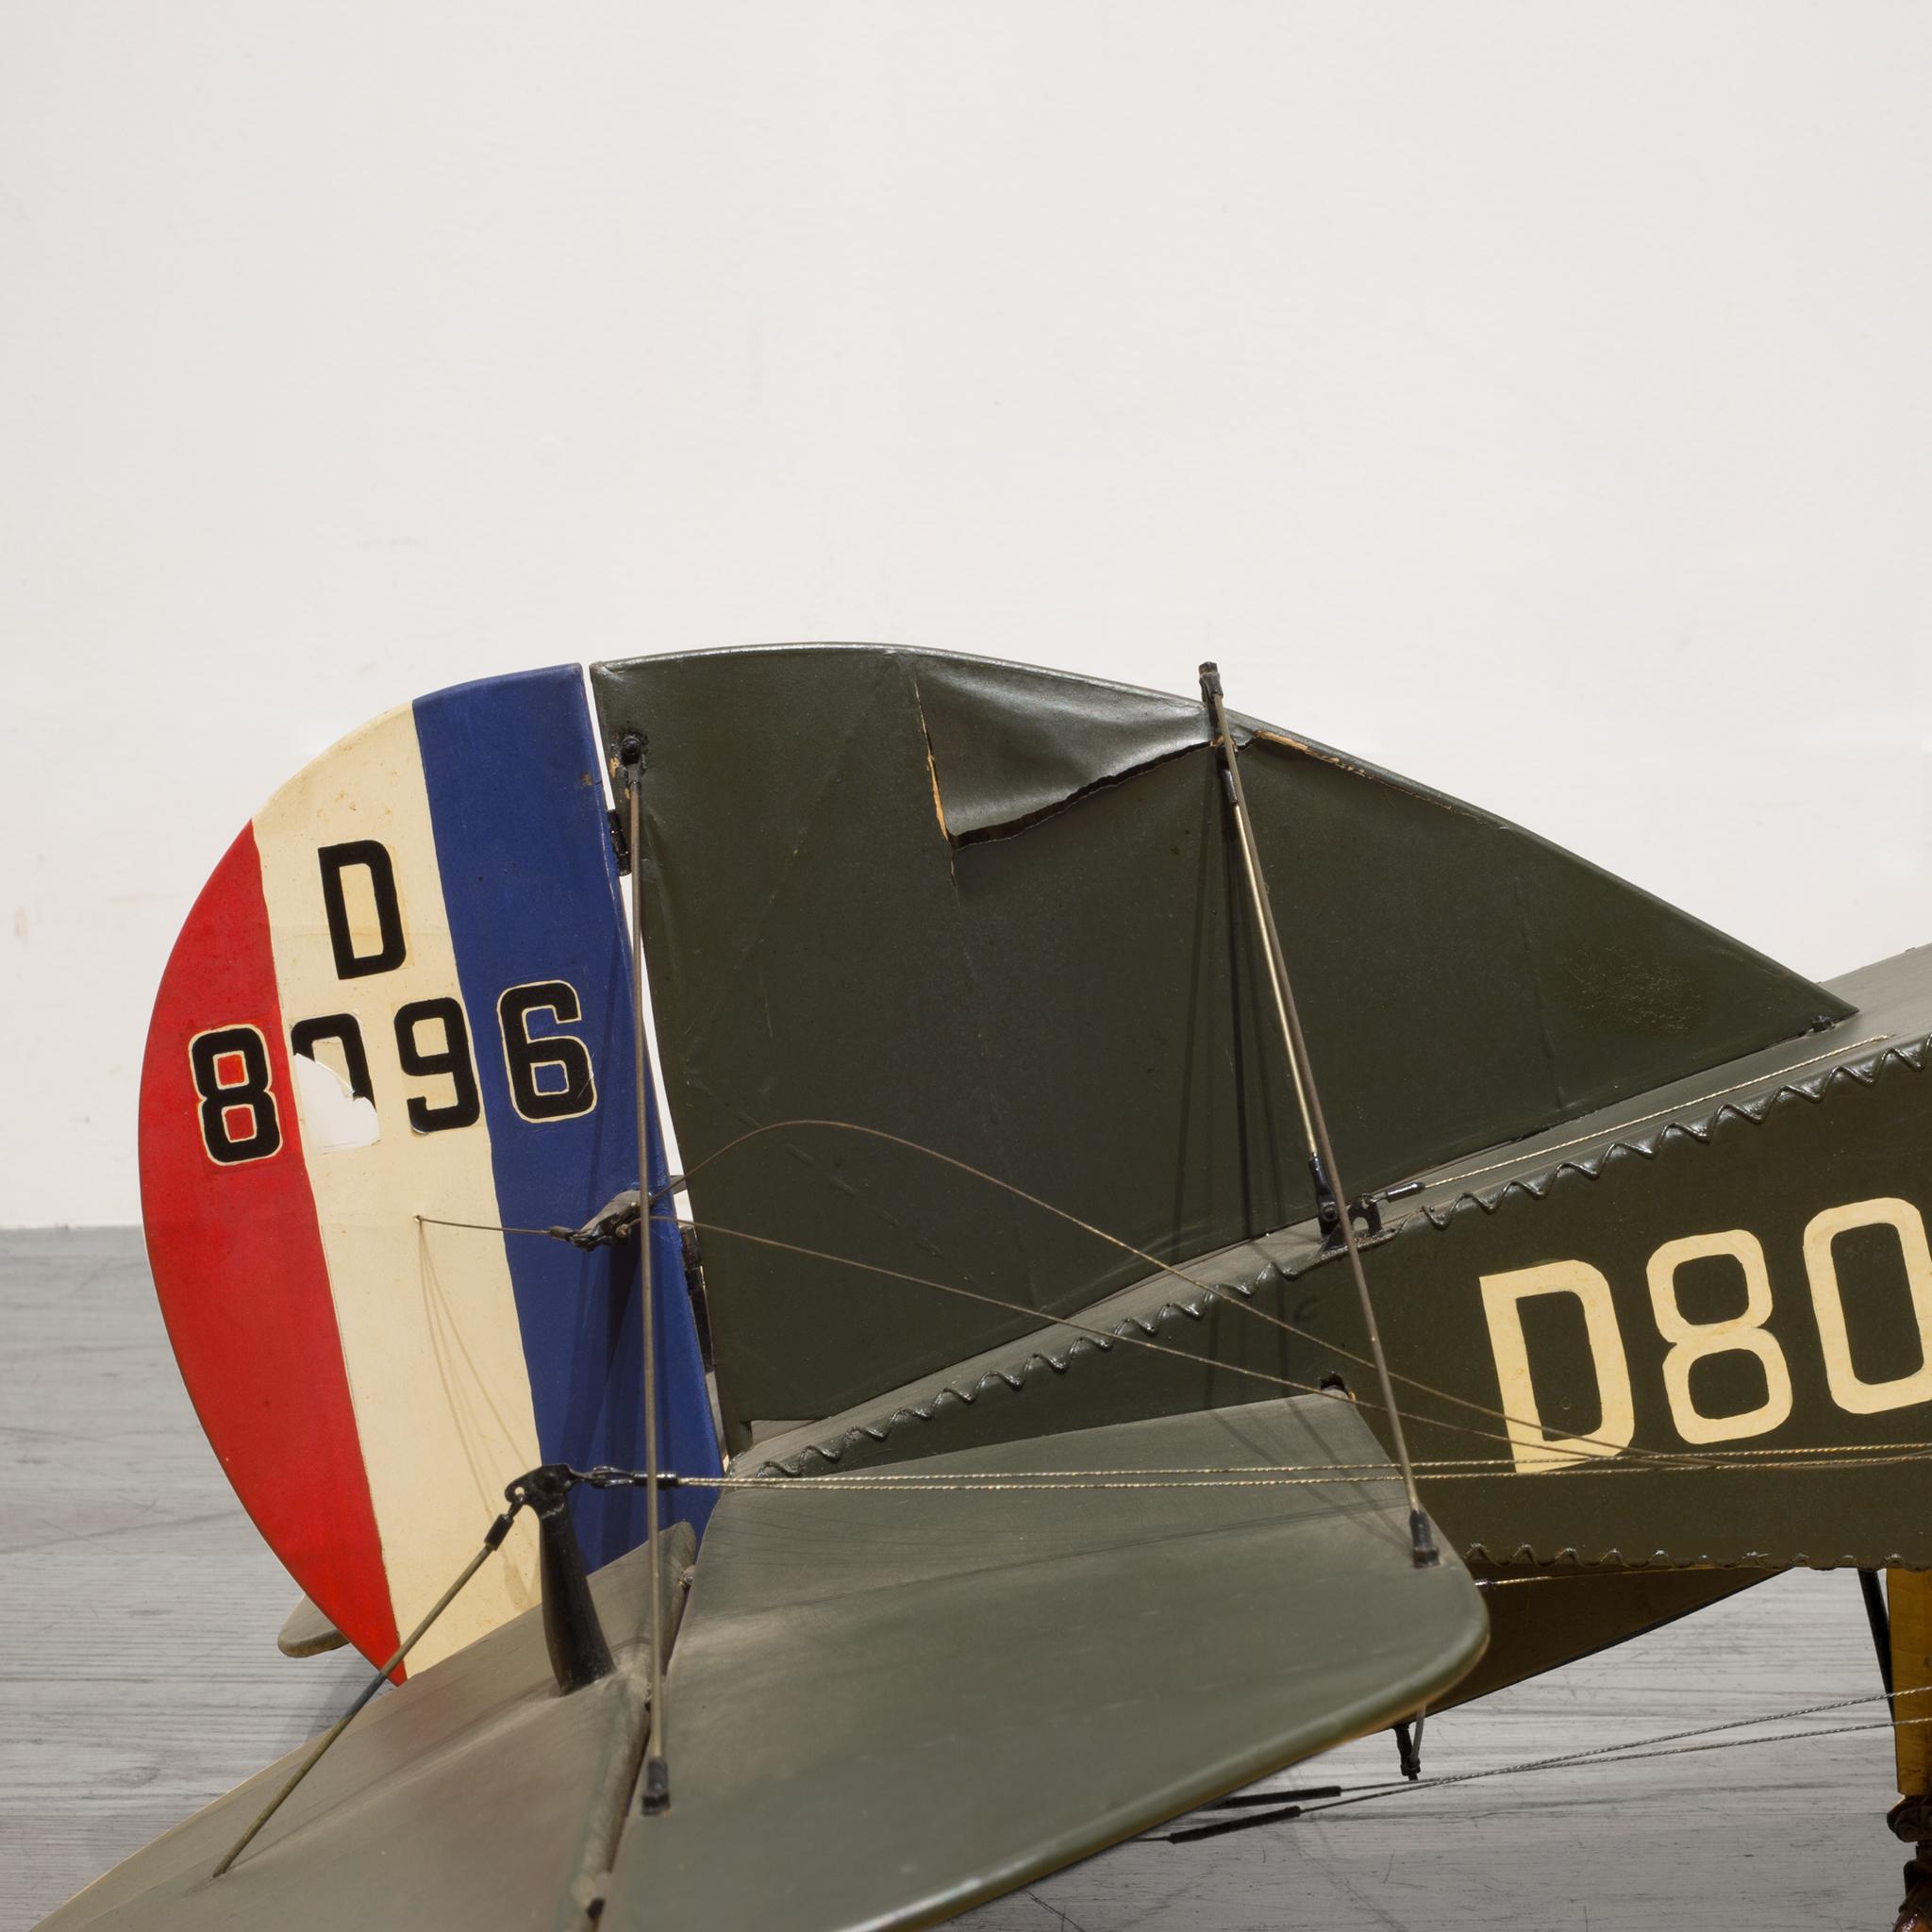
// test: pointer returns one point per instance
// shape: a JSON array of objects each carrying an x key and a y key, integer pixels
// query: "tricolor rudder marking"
[
  {"x": 428, "y": 1328},
  {"x": 438, "y": 929}
]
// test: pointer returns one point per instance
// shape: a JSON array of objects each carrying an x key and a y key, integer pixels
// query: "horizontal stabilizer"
[
  {"x": 890, "y": 1697},
  {"x": 893, "y": 1698}
]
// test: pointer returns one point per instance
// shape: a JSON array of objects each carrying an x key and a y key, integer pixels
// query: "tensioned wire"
[
  {"x": 1621, "y": 1460},
  {"x": 1618, "y": 1459},
  {"x": 1205, "y": 1476},
  {"x": 1104, "y": 1337},
  {"x": 1214, "y": 1290},
  {"x": 1674, "y": 1743},
  {"x": 1639, "y": 1460},
  {"x": 1248, "y": 1476},
  {"x": 1593, "y": 1448},
  {"x": 1107, "y": 1337},
  {"x": 1597, "y": 1449},
  {"x": 1635, "y": 1750}
]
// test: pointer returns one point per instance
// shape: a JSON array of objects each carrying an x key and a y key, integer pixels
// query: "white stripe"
[{"x": 429, "y": 1331}]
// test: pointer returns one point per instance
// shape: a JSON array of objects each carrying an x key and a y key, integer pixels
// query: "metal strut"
[
  {"x": 1408, "y": 1744},
  {"x": 492, "y": 1543},
  {"x": 572, "y": 1631},
  {"x": 1321, "y": 1148},
  {"x": 655, "y": 1788},
  {"x": 1879, "y": 1618}
]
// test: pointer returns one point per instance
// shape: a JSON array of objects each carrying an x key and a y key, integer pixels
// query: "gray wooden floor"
[{"x": 138, "y": 1678}]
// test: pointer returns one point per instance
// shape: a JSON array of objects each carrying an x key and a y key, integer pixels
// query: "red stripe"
[{"x": 239, "y": 1267}]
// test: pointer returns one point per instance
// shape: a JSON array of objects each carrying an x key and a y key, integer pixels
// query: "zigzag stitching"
[
  {"x": 1012, "y": 1378},
  {"x": 1567, "y": 1559},
  {"x": 1698, "y": 1129}
]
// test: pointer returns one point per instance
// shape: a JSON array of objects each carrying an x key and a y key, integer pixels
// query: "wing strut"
[
  {"x": 1321, "y": 1149},
  {"x": 654, "y": 1790}
]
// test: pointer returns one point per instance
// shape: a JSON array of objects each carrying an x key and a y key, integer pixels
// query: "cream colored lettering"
[
  {"x": 1694, "y": 1342},
  {"x": 1530, "y": 1444},
  {"x": 1849, "y": 1389}
]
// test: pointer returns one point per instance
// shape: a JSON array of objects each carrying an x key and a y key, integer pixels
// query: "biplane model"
[{"x": 1172, "y": 1220}]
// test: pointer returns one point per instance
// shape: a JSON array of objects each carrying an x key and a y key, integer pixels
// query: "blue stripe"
[{"x": 530, "y": 884}]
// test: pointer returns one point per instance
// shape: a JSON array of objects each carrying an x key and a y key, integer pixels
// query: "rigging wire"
[
  {"x": 484, "y": 1226},
  {"x": 1105, "y": 1338},
  {"x": 1257, "y": 1475},
  {"x": 1687, "y": 1743},
  {"x": 1583, "y": 1458},
  {"x": 1631, "y": 1462},
  {"x": 492, "y": 1540},
  {"x": 1215, "y": 1290},
  {"x": 1636, "y": 1750}
]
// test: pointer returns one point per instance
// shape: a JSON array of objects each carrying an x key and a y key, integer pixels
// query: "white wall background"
[{"x": 1536, "y": 399}]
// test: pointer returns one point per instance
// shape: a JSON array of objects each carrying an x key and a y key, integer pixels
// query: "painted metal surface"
[
  {"x": 403, "y": 1000},
  {"x": 1908, "y": 1605},
  {"x": 889, "y": 1707},
  {"x": 995, "y": 909}
]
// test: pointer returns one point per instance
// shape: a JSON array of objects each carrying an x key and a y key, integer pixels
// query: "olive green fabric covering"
[
  {"x": 472, "y": 1798},
  {"x": 888, "y": 1706},
  {"x": 1759, "y": 1148},
  {"x": 997, "y": 910}
]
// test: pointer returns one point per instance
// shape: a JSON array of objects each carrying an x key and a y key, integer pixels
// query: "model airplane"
[{"x": 1196, "y": 1249}]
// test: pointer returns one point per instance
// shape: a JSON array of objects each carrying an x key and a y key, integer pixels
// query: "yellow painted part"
[{"x": 1909, "y": 1596}]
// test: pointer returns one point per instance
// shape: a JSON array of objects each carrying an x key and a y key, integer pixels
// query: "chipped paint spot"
[
  {"x": 1303, "y": 748},
  {"x": 939, "y": 803},
  {"x": 333, "y": 1117},
  {"x": 932, "y": 769}
]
